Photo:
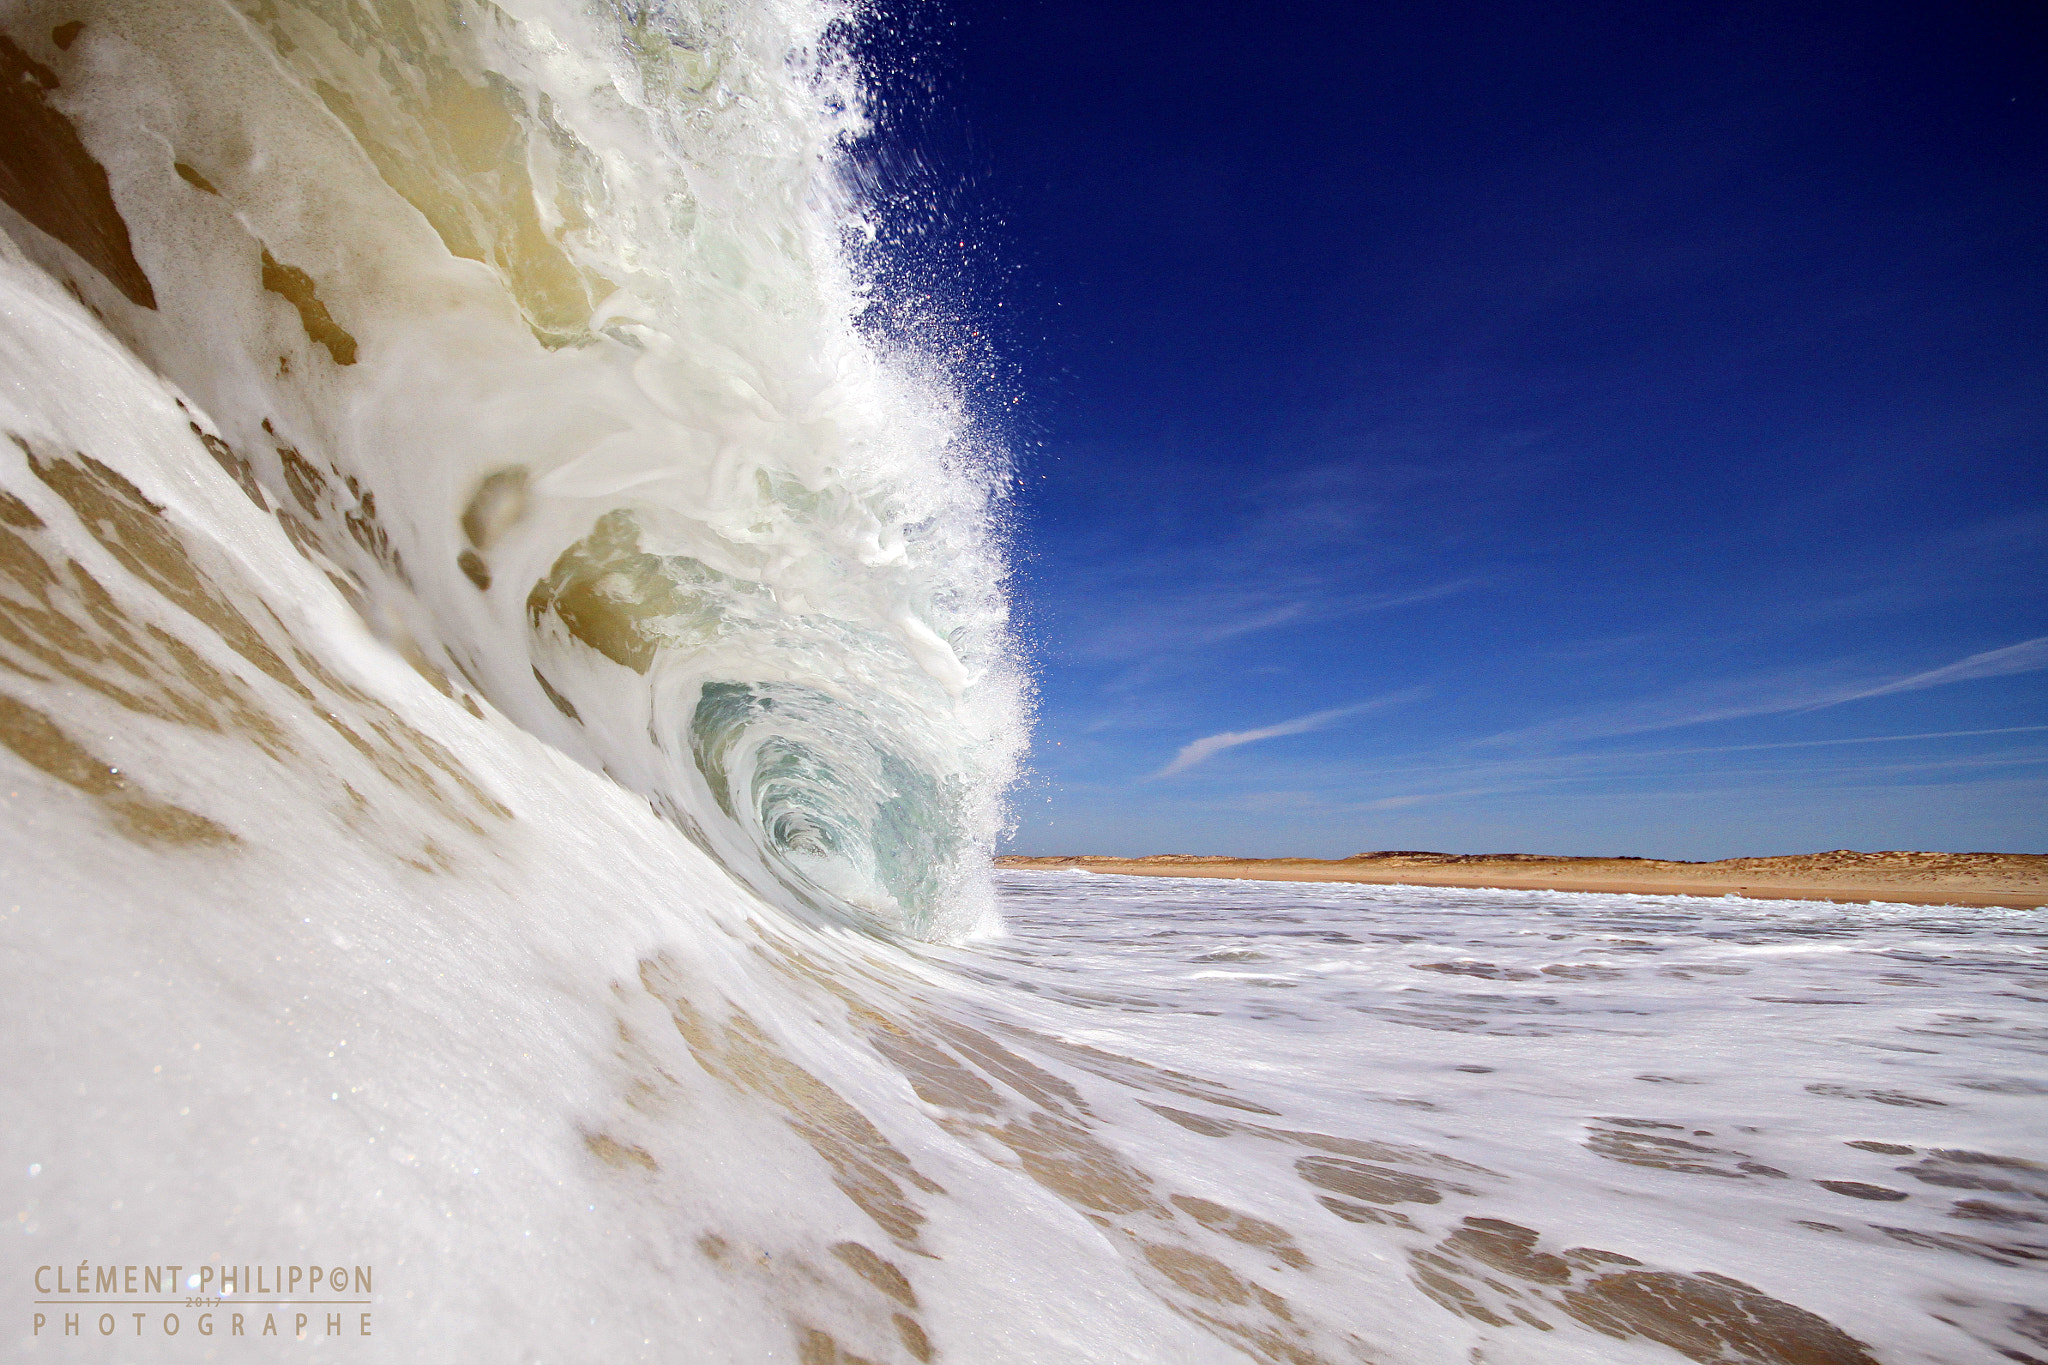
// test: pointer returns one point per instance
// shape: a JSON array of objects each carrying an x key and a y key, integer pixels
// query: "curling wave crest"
[{"x": 538, "y": 328}]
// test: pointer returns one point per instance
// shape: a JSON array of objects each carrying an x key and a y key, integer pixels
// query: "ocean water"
[{"x": 505, "y": 705}]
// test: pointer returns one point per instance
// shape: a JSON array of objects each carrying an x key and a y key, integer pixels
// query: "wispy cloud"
[
  {"x": 1449, "y": 779},
  {"x": 1821, "y": 743},
  {"x": 2024, "y": 657},
  {"x": 1169, "y": 622},
  {"x": 1765, "y": 695},
  {"x": 1210, "y": 745}
]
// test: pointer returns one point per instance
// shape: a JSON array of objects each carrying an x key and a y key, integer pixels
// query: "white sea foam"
[{"x": 505, "y": 700}]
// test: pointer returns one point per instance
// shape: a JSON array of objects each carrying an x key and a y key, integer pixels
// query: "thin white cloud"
[
  {"x": 1820, "y": 743},
  {"x": 1767, "y": 695},
  {"x": 2024, "y": 657},
  {"x": 1448, "y": 781},
  {"x": 1419, "y": 798},
  {"x": 1182, "y": 621},
  {"x": 1210, "y": 745}
]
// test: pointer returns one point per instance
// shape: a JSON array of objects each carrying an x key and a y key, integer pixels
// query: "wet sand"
[{"x": 2017, "y": 880}]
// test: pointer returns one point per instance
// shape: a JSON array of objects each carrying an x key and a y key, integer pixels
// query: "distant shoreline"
[{"x": 2006, "y": 880}]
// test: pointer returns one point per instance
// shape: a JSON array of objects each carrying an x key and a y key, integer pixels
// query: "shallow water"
[{"x": 1840, "y": 1105}]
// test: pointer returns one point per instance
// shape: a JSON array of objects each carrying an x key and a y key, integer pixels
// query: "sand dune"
[{"x": 2000, "y": 879}]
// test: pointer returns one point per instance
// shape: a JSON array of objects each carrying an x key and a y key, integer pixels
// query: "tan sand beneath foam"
[{"x": 2017, "y": 880}]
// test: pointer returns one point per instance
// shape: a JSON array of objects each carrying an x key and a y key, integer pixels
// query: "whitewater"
[{"x": 506, "y": 700}]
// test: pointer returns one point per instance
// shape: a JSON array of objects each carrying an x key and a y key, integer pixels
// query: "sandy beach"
[{"x": 2018, "y": 880}]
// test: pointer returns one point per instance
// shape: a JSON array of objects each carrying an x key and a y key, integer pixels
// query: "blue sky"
[{"x": 1584, "y": 428}]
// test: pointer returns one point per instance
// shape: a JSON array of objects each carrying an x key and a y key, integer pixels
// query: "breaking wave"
[{"x": 538, "y": 329}]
